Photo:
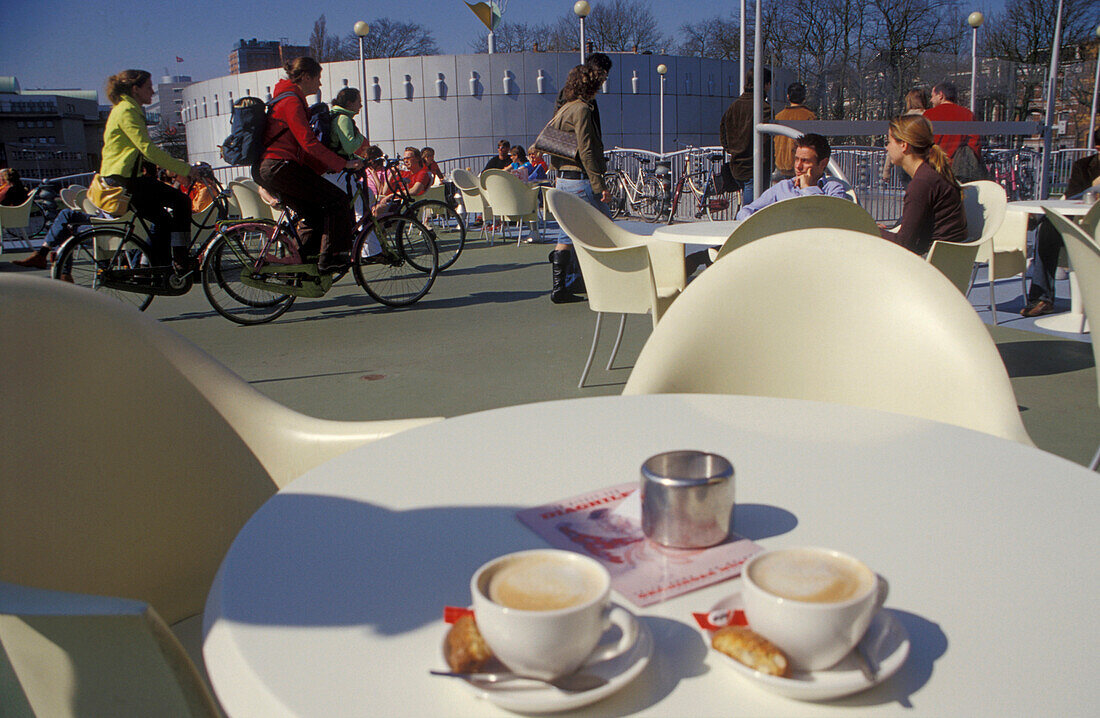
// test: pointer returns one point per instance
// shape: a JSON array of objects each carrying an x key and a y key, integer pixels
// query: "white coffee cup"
[
  {"x": 560, "y": 607},
  {"x": 813, "y": 603}
]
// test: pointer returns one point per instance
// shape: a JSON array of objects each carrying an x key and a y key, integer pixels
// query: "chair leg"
[
  {"x": 973, "y": 276},
  {"x": 592, "y": 351},
  {"x": 618, "y": 340},
  {"x": 1095, "y": 461},
  {"x": 992, "y": 293}
]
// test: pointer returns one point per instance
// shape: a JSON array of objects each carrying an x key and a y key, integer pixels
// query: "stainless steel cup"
[{"x": 687, "y": 498}]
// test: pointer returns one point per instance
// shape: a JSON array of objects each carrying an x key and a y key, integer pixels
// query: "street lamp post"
[
  {"x": 581, "y": 8},
  {"x": 975, "y": 21},
  {"x": 1052, "y": 86},
  {"x": 361, "y": 29},
  {"x": 741, "y": 52},
  {"x": 662, "y": 70},
  {"x": 1095, "y": 93}
]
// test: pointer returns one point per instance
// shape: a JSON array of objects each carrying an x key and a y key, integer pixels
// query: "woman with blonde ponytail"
[{"x": 932, "y": 208}]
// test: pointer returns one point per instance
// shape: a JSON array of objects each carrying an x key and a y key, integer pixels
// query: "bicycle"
[
  {"x": 700, "y": 183},
  {"x": 253, "y": 270},
  {"x": 642, "y": 193},
  {"x": 115, "y": 256},
  {"x": 447, "y": 226}
]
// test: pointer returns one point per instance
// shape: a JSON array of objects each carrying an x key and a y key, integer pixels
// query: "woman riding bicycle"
[
  {"x": 125, "y": 142},
  {"x": 293, "y": 162}
]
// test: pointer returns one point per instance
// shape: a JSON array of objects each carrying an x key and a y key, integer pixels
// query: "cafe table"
[
  {"x": 713, "y": 234},
  {"x": 1073, "y": 321},
  {"x": 329, "y": 602}
]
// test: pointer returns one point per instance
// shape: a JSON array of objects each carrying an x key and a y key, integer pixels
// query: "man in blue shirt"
[{"x": 811, "y": 156}]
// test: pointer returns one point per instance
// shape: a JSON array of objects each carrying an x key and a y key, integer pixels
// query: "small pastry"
[
  {"x": 465, "y": 650},
  {"x": 744, "y": 645}
]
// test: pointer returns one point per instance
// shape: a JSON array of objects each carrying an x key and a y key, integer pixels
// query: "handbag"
[
  {"x": 115, "y": 201},
  {"x": 556, "y": 141},
  {"x": 724, "y": 181},
  {"x": 967, "y": 166}
]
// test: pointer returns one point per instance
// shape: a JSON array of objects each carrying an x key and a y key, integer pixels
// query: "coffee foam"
[
  {"x": 542, "y": 583},
  {"x": 811, "y": 576}
]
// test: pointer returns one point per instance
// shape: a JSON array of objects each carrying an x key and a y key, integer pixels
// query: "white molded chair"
[
  {"x": 71, "y": 196},
  {"x": 624, "y": 273},
  {"x": 70, "y": 655},
  {"x": 1091, "y": 221},
  {"x": 16, "y": 218},
  {"x": 473, "y": 201},
  {"x": 1005, "y": 254},
  {"x": 134, "y": 457},
  {"x": 906, "y": 341},
  {"x": 1084, "y": 256},
  {"x": 816, "y": 211},
  {"x": 985, "y": 204},
  {"x": 512, "y": 199},
  {"x": 249, "y": 201}
]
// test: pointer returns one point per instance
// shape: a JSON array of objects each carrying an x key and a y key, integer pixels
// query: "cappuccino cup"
[
  {"x": 543, "y": 612},
  {"x": 813, "y": 603}
]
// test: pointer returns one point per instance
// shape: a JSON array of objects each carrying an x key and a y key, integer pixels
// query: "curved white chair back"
[
  {"x": 71, "y": 655},
  {"x": 906, "y": 342},
  {"x": 69, "y": 195},
  {"x": 251, "y": 204},
  {"x": 985, "y": 204},
  {"x": 139, "y": 464},
  {"x": 15, "y": 218},
  {"x": 813, "y": 212},
  {"x": 1091, "y": 222},
  {"x": 508, "y": 195}
]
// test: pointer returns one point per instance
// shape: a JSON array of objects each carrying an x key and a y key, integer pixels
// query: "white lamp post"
[
  {"x": 662, "y": 70},
  {"x": 975, "y": 21},
  {"x": 581, "y": 8},
  {"x": 1095, "y": 91},
  {"x": 741, "y": 52},
  {"x": 1052, "y": 86},
  {"x": 361, "y": 30}
]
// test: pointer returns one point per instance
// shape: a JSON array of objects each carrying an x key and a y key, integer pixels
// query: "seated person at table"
[
  {"x": 538, "y": 166},
  {"x": 502, "y": 160},
  {"x": 811, "y": 156},
  {"x": 932, "y": 209},
  {"x": 417, "y": 176},
  {"x": 520, "y": 166},
  {"x": 1085, "y": 173},
  {"x": 12, "y": 190},
  {"x": 427, "y": 154}
]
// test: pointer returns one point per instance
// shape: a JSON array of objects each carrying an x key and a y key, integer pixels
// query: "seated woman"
[
  {"x": 538, "y": 166},
  {"x": 12, "y": 190},
  {"x": 520, "y": 166},
  {"x": 932, "y": 209}
]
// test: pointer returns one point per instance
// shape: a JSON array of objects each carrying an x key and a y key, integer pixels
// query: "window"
[{"x": 20, "y": 124}]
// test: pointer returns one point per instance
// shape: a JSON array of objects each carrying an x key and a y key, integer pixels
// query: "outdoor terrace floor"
[{"x": 488, "y": 336}]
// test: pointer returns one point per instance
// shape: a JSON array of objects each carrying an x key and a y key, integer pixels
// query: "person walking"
[
  {"x": 736, "y": 133},
  {"x": 784, "y": 146}
]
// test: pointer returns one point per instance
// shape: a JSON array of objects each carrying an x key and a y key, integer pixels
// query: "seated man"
[
  {"x": 502, "y": 161},
  {"x": 811, "y": 156}
]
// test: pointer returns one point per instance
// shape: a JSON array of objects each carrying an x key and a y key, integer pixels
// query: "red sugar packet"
[
  {"x": 714, "y": 620},
  {"x": 453, "y": 613}
]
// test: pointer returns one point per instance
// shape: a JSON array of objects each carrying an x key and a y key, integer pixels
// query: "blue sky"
[{"x": 77, "y": 43}]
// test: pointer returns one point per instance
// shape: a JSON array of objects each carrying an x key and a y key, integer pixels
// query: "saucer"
[
  {"x": 886, "y": 643},
  {"x": 533, "y": 697}
]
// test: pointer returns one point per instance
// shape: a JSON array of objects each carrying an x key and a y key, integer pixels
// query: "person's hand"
[
  {"x": 605, "y": 197},
  {"x": 354, "y": 165},
  {"x": 803, "y": 181}
]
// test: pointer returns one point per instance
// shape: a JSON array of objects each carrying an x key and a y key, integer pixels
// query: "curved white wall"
[{"x": 462, "y": 104}]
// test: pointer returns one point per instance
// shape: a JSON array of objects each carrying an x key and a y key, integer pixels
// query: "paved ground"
[{"x": 487, "y": 336}]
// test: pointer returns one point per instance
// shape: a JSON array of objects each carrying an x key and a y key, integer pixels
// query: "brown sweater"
[
  {"x": 736, "y": 133},
  {"x": 932, "y": 210}
]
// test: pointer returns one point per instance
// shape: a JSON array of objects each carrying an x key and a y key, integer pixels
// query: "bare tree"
[
  {"x": 323, "y": 46},
  {"x": 717, "y": 37},
  {"x": 621, "y": 26},
  {"x": 514, "y": 37},
  {"x": 393, "y": 38}
]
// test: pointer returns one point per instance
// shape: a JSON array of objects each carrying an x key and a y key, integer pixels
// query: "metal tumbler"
[{"x": 687, "y": 498}]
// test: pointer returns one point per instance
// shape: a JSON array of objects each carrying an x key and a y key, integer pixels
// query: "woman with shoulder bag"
[{"x": 581, "y": 174}]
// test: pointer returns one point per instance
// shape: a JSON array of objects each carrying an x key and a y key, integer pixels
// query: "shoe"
[
  {"x": 330, "y": 264},
  {"x": 182, "y": 262},
  {"x": 66, "y": 278},
  {"x": 35, "y": 261},
  {"x": 1038, "y": 308},
  {"x": 559, "y": 262}
]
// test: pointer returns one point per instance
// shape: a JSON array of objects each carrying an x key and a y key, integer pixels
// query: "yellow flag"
[{"x": 486, "y": 12}]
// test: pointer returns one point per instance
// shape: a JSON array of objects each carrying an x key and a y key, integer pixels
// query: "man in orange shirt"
[{"x": 784, "y": 146}]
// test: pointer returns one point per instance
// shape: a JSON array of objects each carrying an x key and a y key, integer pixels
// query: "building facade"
[
  {"x": 49, "y": 133},
  {"x": 462, "y": 104},
  {"x": 252, "y": 55}
]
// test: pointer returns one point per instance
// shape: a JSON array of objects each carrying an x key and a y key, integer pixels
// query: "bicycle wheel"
[
  {"x": 616, "y": 195},
  {"x": 229, "y": 261},
  {"x": 88, "y": 255},
  {"x": 404, "y": 270},
  {"x": 650, "y": 199},
  {"x": 447, "y": 226}
]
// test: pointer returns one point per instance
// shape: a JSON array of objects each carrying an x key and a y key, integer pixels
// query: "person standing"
[
  {"x": 601, "y": 63},
  {"x": 916, "y": 103},
  {"x": 1085, "y": 173},
  {"x": 582, "y": 174},
  {"x": 736, "y": 133},
  {"x": 964, "y": 151},
  {"x": 784, "y": 146}
]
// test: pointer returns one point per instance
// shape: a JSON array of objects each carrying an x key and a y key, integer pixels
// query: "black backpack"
[
  {"x": 320, "y": 121},
  {"x": 245, "y": 144}
]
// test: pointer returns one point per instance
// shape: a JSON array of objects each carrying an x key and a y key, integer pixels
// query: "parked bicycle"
[
  {"x": 253, "y": 270},
  {"x": 440, "y": 216},
  {"x": 115, "y": 257},
  {"x": 640, "y": 194},
  {"x": 699, "y": 181}
]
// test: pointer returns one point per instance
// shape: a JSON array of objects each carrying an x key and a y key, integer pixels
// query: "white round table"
[
  {"x": 713, "y": 234},
  {"x": 329, "y": 601},
  {"x": 1073, "y": 321}
]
